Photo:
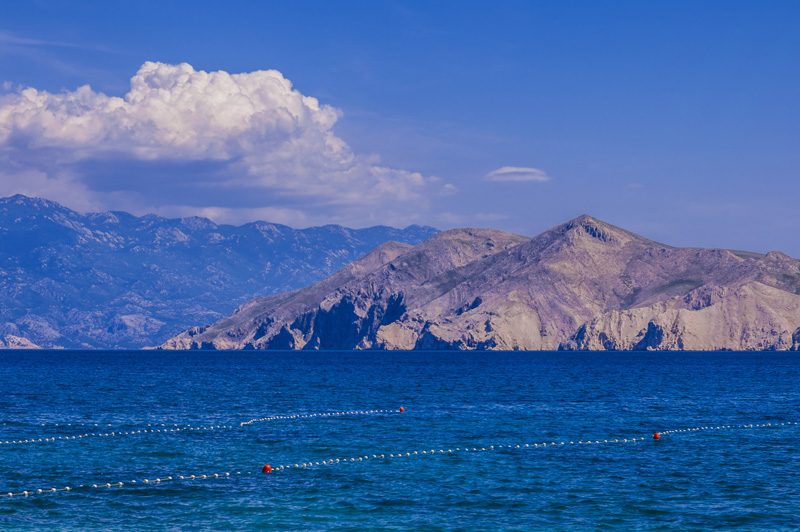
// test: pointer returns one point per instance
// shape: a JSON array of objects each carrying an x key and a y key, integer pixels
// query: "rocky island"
[{"x": 583, "y": 285}]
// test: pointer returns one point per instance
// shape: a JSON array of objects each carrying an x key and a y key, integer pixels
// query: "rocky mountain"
[
  {"x": 10, "y": 341},
  {"x": 114, "y": 280},
  {"x": 583, "y": 285}
]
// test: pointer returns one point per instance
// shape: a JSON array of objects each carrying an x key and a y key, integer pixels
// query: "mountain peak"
[
  {"x": 586, "y": 227},
  {"x": 475, "y": 233},
  {"x": 457, "y": 247},
  {"x": 596, "y": 229},
  {"x": 585, "y": 218},
  {"x": 29, "y": 202}
]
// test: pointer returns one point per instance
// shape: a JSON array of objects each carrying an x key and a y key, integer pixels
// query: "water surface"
[{"x": 715, "y": 479}]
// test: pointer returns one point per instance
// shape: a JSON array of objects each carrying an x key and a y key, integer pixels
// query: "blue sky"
[{"x": 677, "y": 120}]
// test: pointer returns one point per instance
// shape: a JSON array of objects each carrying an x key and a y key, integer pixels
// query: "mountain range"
[
  {"x": 114, "y": 280},
  {"x": 583, "y": 285}
]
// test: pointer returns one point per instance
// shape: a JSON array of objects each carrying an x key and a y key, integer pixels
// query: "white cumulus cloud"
[
  {"x": 188, "y": 141},
  {"x": 517, "y": 173}
]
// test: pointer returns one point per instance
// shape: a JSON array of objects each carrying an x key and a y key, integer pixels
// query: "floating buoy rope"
[
  {"x": 384, "y": 456},
  {"x": 189, "y": 428}
]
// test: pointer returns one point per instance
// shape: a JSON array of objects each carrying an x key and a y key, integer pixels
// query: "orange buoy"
[
  {"x": 266, "y": 469},
  {"x": 657, "y": 436},
  {"x": 402, "y": 409}
]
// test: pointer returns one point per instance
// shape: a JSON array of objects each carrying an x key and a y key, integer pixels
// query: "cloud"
[
  {"x": 11, "y": 39},
  {"x": 7, "y": 38},
  {"x": 517, "y": 173},
  {"x": 184, "y": 141}
]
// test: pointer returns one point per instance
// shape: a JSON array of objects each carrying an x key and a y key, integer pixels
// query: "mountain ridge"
[
  {"x": 115, "y": 280},
  {"x": 583, "y": 284}
]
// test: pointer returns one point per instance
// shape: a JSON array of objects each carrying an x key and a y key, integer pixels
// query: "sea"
[{"x": 386, "y": 441}]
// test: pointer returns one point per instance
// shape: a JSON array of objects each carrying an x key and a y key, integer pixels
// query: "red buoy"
[
  {"x": 657, "y": 436},
  {"x": 402, "y": 409},
  {"x": 266, "y": 469}
]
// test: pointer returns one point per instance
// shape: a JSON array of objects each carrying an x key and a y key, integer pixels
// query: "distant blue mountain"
[{"x": 114, "y": 280}]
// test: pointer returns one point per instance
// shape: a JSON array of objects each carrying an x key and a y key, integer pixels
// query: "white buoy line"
[
  {"x": 720, "y": 427},
  {"x": 326, "y": 414},
  {"x": 189, "y": 428},
  {"x": 384, "y": 456}
]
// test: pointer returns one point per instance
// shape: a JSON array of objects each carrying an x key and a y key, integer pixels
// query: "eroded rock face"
[
  {"x": 10, "y": 341},
  {"x": 753, "y": 316},
  {"x": 581, "y": 285}
]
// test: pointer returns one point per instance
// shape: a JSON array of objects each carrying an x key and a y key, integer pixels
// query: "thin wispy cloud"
[
  {"x": 8, "y": 38},
  {"x": 185, "y": 141},
  {"x": 517, "y": 173}
]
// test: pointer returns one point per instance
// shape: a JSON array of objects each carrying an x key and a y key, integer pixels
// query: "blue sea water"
[{"x": 727, "y": 479}]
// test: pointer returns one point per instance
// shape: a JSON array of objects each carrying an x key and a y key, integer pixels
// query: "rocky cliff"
[
  {"x": 114, "y": 280},
  {"x": 582, "y": 285},
  {"x": 10, "y": 341}
]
